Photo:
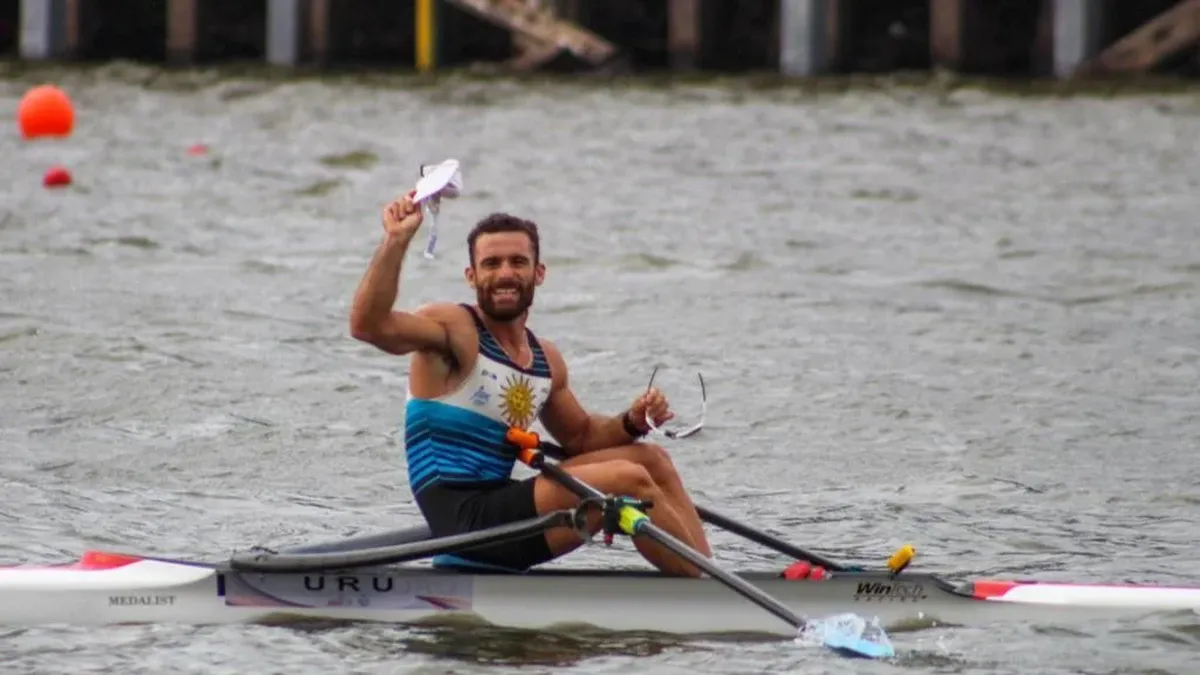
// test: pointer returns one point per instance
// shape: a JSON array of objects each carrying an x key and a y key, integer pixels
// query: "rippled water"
[{"x": 926, "y": 314}]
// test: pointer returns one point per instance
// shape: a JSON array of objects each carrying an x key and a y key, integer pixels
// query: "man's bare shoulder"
[
  {"x": 456, "y": 320},
  {"x": 442, "y": 312},
  {"x": 554, "y": 358}
]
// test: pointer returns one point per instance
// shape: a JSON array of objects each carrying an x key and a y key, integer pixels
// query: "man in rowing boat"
[{"x": 476, "y": 371}]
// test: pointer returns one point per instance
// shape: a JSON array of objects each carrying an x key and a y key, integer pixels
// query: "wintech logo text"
[{"x": 889, "y": 591}]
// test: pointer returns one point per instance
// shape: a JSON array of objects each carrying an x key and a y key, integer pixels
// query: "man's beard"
[{"x": 510, "y": 310}]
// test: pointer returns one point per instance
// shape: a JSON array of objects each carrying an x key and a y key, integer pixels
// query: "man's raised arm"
[{"x": 372, "y": 318}]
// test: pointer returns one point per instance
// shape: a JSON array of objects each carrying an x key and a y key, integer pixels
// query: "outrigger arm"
[{"x": 266, "y": 560}]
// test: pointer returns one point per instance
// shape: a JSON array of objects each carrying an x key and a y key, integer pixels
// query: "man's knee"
[
  {"x": 631, "y": 478},
  {"x": 658, "y": 463}
]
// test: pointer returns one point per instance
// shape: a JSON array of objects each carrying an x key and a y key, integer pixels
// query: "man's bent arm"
[
  {"x": 566, "y": 420},
  {"x": 577, "y": 430},
  {"x": 371, "y": 317},
  {"x": 605, "y": 431}
]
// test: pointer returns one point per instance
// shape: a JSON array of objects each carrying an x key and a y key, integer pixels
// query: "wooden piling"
[
  {"x": 320, "y": 41},
  {"x": 683, "y": 34},
  {"x": 948, "y": 33},
  {"x": 183, "y": 18},
  {"x": 839, "y": 17},
  {"x": 80, "y": 18},
  {"x": 984, "y": 37}
]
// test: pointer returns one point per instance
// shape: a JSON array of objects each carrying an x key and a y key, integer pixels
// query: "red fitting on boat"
[
  {"x": 797, "y": 570},
  {"x": 103, "y": 560},
  {"x": 801, "y": 570}
]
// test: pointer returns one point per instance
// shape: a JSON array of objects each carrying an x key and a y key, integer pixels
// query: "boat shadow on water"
[{"x": 468, "y": 640}]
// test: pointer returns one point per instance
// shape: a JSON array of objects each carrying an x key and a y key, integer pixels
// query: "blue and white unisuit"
[{"x": 460, "y": 437}]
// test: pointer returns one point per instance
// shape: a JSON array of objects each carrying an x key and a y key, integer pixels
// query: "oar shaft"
[
  {"x": 759, "y": 537},
  {"x": 576, "y": 486},
  {"x": 735, "y": 583}
]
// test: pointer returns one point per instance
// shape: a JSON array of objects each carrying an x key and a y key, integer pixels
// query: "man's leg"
[
  {"x": 664, "y": 474},
  {"x": 618, "y": 477}
]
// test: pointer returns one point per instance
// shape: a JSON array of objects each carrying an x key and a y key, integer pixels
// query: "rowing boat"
[
  {"x": 120, "y": 588},
  {"x": 407, "y": 576}
]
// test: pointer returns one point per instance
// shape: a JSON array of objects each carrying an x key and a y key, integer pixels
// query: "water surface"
[{"x": 946, "y": 316}]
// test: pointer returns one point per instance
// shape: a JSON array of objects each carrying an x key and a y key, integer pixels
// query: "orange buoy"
[
  {"x": 45, "y": 111},
  {"x": 56, "y": 177}
]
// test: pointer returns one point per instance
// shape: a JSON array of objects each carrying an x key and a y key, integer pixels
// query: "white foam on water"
[{"x": 841, "y": 630}]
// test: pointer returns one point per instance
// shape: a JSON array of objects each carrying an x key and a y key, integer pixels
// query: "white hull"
[{"x": 119, "y": 590}]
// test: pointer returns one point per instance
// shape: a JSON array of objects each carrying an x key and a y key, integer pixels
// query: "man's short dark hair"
[{"x": 503, "y": 222}]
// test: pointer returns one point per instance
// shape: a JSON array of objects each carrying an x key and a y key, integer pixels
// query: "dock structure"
[
  {"x": 49, "y": 29},
  {"x": 544, "y": 35},
  {"x": 795, "y": 38},
  {"x": 1166, "y": 35}
]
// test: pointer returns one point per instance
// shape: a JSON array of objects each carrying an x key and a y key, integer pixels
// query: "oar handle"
[{"x": 529, "y": 446}]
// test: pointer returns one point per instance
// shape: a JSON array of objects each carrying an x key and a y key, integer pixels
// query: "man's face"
[{"x": 504, "y": 274}]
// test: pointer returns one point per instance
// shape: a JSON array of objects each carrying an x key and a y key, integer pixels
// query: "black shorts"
[{"x": 454, "y": 508}]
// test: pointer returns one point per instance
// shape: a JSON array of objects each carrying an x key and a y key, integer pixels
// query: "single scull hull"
[{"x": 118, "y": 589}]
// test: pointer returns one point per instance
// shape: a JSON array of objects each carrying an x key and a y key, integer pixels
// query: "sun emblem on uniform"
[{"x": 516, "y": 398}]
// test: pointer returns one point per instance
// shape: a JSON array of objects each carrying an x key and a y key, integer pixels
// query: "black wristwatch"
[{"x": 630, "y": 429}]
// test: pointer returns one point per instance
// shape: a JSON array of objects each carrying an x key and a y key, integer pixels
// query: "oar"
[
  {"x": 635, "y": 523},
  {"x": 726, "y": 523}
]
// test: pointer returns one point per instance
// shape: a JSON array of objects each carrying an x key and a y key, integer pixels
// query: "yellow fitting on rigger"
[{"x": 631, "y": 520}]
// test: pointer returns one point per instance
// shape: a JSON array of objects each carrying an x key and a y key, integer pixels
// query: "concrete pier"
[
  {"x": 286, "y": 26},
  {"x": 43, "y": 29},
  {"x": 1078, "y": 29},
  {"x": 802, "y": 46}
]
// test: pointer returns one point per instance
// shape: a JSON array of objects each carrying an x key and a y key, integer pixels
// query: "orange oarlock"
[{"x": 527, "y": 443}]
